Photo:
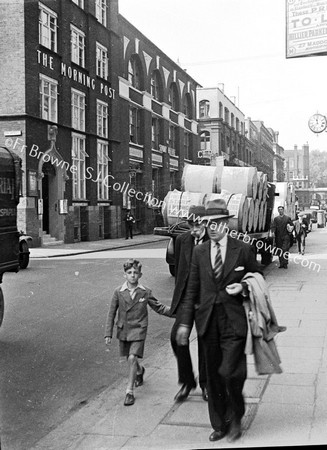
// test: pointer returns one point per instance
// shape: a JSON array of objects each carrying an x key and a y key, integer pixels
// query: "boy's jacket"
[{"x": 132, "y": 320}]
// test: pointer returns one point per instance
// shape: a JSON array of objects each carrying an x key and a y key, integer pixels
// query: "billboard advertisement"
[{"x": 306, "y": 28}]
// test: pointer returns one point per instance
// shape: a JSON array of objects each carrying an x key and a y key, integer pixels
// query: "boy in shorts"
[{"x": 131, "y": 300}]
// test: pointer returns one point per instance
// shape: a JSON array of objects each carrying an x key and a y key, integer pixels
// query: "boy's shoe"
[
  {"x": 129, "y": 399},
  {"x": 139, "y": 378}
]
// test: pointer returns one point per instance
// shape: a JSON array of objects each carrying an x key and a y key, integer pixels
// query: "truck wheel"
[
  {"x": 172, "y": 269},
  {"x": 24, "y": 256},
  {"x": 2, "y": 306}
]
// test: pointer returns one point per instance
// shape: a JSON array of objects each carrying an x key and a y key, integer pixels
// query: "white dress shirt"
[{"x": 213, "y": 250}]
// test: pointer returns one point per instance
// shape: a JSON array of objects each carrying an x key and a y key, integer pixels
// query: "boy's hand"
[{"x": 108, "y": 340}]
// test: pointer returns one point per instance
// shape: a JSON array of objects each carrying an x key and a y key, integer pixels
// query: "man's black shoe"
[
  {"x": 217, "y": 435},
  {"x": 235, "y": 431},
  {"x": 205, "y": 394},
  {"x": 184, "y": 391}
]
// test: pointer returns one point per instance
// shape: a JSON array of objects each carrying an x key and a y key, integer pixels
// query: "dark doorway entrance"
[{"x": 48, "y": 174}]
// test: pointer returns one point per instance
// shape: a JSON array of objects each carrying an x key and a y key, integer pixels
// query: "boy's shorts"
[{"x": 127, "y": 348}]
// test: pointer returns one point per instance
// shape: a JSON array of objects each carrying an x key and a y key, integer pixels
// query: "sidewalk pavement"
[
  {"x": 56, "y": 250},
  {"x": 287, "y": 409}
]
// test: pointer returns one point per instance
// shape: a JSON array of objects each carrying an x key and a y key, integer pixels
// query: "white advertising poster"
[{"x": 306, "y": 28}]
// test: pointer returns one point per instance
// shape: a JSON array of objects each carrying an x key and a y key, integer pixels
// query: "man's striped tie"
[{"x": 218, "y": 267}]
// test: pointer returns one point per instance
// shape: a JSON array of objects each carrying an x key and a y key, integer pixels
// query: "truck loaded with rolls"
[{"x": 247, "y": 192}]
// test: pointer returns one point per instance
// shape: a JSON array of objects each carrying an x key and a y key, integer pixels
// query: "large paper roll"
[
  {"x": 250, "y": 213},
  {"x": 203, "y": 179},
  {"x": 176, "y": 205},
  {"x": 241, "y": 180}
]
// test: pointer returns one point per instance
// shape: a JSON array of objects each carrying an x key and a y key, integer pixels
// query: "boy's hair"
[{"x": 132, "y": 263}]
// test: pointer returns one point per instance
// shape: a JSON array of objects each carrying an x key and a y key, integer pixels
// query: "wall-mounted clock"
[{"x": 317, "y": 123}]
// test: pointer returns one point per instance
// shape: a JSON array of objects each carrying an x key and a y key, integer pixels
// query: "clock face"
[{"x": 317, "y": 123}]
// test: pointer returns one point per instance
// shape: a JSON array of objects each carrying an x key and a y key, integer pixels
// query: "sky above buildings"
[{"x": 242, "y": 44}]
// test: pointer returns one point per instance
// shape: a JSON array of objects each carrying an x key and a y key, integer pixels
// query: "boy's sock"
[{"x": 129, "y": 391}]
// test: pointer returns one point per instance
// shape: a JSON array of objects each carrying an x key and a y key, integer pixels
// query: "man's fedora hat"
[
  {"x": 195, "y": 213},
  {"x": 217, "y": 209}
]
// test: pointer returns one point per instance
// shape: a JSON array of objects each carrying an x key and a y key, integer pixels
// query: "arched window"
[
  {"x": 173, "y": 97},
  {"x": 187, "y": 107},
  {"x": 156, "y": 90},
  {"x": 205, "y": 140},
  {"x": 135, "y": 72},
  {"x": 204, "y": 108}
]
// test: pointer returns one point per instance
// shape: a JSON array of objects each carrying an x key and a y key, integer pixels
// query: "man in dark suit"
[
  {"x": 183, "y": 252},
  {"x": 214, "y": 298},
  {"x": 282, "y": 227}
]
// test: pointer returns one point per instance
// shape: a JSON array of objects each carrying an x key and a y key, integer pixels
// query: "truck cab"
[{"x": 10, "y": 181}]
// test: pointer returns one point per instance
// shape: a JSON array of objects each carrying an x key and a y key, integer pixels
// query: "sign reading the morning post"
[{"x": 306, "y": 28}]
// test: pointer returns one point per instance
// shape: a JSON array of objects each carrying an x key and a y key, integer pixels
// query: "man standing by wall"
[
  {"x": 214, "y": 298},
  {"x": 282, "y": 227}
]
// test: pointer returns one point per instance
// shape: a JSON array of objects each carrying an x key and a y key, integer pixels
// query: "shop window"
[
  {"x": 78, "y": 110},
  {"x": 77, "y": 40},
  {"x": 101, "y": 7},
  {"x": 102, "y": 119},
  {"x": 48, "y": 98},
  {"x": 101, "y": 61},
  {"x": 78, "y": 161},
  {"x": 47, "y": 27}
]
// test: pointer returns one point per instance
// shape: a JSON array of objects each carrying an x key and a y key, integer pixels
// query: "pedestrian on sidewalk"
[
  {"x": 300, "y": 231},
  {"x": 129, "y": 223},
  {"x": 214, "y": 298},
  {"x": 183, "y": 253},
  {"x": 282, "y": 227},
  {"x": 131, "y": 301}
]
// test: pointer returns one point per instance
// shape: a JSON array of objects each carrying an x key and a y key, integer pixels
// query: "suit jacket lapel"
[{"x": 232, "y": 253}]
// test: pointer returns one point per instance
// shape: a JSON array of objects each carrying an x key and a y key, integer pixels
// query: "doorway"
[{"x": 48, "y": 178}]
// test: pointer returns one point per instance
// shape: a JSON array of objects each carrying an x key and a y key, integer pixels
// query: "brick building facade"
[{"x": 88, "y": 135}]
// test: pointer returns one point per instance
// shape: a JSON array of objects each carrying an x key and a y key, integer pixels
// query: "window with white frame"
[
  {"x": 78, "y": 110},
  {"x": 77, "y": 40},
  {"x": 78, "y": 161},
  {"x": 173, "y": 137},
  {"x": 48, "y": 98},
  {"x": 155, "y": 133},
  {"x": 134, "y": 125},
  {"x": 205, "y": 140},
  {"x": 102, "y": 61},
  {"x": 103, "y": 170},
  {"x": 102, "y": 119},
  {"x": 101, "y": 11},
  {"x": 204, "y": 108},
  {"x": 187, "y": 146},
  {"x": 156, "y": 85},
  {"x": 47, "y": 27},
  {"x": 134, "y": 72},
  {"x": 80, "y": 3}
]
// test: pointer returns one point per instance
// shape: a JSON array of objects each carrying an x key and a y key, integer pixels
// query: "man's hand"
[
  {"x": 234, "y": 289},
  {"x": 108, "y": 340},
  {"x": 182, "y": 335}
]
